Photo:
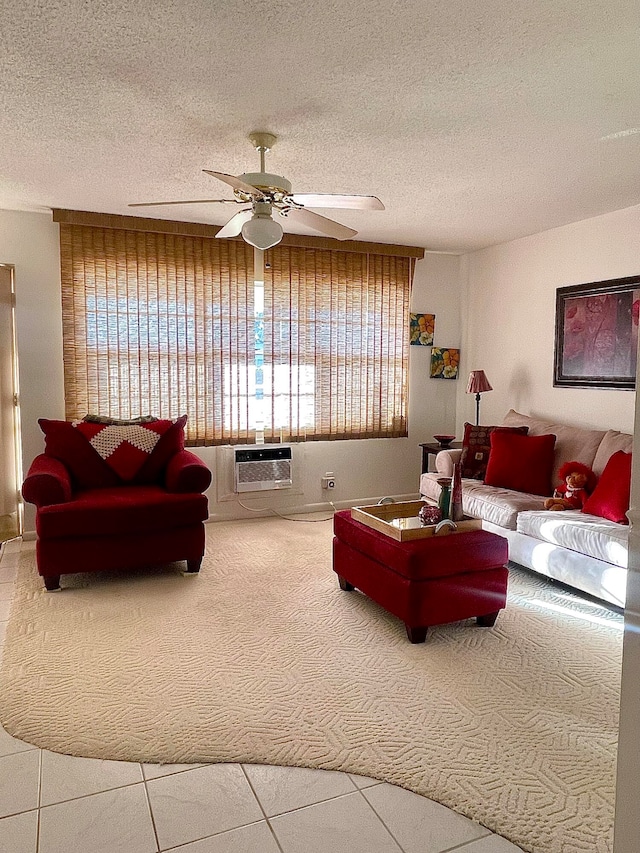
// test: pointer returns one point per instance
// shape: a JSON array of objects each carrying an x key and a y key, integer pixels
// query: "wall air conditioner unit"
[{"x": 262, "y": 469}]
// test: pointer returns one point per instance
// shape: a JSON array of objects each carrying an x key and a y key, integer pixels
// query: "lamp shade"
[
  {"x": 262, "y": 232},
  {"x": 478, "y": 382}
]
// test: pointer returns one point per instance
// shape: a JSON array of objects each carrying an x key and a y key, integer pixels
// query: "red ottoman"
[{"x": 424, "y": 581}]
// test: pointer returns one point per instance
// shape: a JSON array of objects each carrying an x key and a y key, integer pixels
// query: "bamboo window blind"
[
  {"x": 336, "y": 344},
  {"x": 165, "y": 324}
]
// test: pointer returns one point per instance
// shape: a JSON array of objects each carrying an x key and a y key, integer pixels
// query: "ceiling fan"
[{"x": 272, "y": 203}]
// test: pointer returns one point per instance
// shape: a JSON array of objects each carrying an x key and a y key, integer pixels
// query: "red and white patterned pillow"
[
  {"x": 124, "y": 448},
  {"x": 64, "y": 441}
]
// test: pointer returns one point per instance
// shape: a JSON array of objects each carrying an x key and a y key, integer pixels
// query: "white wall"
[
  {"x": 364, "y": 470},
  {"x": 436, "y": 290},
  {"x": 30, "y": 242},
  {"x": 511, "y": 310},
  {"x": 8, "y": 476}
]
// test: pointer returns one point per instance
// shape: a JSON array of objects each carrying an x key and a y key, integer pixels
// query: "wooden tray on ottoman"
[{"x": 400, "y": 521}]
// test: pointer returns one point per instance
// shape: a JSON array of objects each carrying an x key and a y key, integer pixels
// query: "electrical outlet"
[{"x": 328, "y": 481}]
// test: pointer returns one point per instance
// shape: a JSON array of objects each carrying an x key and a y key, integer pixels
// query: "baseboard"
[{"x": 237, "y": 512}]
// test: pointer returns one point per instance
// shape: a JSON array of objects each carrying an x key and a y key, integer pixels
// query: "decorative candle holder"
[{"x": 429, "y": 514}]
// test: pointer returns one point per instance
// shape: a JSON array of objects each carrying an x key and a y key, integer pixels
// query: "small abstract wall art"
[
  {"x": 444, "y": 362},
  {"x": 422, "y": 327}
]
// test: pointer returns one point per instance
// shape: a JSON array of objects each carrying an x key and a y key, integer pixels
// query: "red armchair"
[{"x": 114, "y": 495}]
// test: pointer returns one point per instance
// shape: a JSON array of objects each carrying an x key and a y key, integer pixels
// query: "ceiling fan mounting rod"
[{"x": 262, "y": 142}]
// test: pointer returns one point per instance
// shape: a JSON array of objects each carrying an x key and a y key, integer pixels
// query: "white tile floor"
[{"x": 51, "y": 803}]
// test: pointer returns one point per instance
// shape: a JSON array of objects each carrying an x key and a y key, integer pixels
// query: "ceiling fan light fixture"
[{"x": 262, "y": 232}]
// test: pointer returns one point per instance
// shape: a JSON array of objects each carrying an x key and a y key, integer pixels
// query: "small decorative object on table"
[
  {"x": 444, "y": 501},
  {"x": 456, "y": 493},
  {"x": 444, "y": 440},
  {"x": 429, "y": 514}
]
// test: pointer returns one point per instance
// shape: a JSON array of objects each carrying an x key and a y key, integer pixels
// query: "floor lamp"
[{"x": 478, "y": 384}]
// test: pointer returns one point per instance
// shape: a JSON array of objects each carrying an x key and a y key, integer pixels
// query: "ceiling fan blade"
[
  {"x": 188, "y": 201},
  {"x": 236, "y": 183},
  {"x": 318, "y": 223},
  {"x": 353, "y": 202},
  {"x": 234, "y": 225}
]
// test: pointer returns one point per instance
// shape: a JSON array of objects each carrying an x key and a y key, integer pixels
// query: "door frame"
[{"x": 17, "y": 432}]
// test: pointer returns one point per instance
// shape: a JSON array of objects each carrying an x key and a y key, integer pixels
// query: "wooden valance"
[{"x": 195, "y": 229}]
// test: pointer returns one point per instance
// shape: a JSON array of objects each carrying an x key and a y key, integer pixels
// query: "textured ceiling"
[{"x": 474, "y": 122}]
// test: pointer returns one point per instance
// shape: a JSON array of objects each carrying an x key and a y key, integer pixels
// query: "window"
[
  {"x": 172, "y": 323},
  {"x": 336, "y": 342}
]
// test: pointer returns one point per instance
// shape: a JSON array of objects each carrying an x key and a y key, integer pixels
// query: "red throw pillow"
[
  {"x": 476, "y": 447},
  {"x": 89, "y": 470},
  {"x": 523, "y": 463},
  {"x": 170, "y": 443},
  {"x": 612, "y": 495},
  {"x": 64, "y": 442}
]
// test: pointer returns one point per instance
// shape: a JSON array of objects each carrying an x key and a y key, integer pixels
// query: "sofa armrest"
[
  {"x": 47, "y": 482},
  {"x": 186, "y": 472},
  {"x": 445, "y": 460}
]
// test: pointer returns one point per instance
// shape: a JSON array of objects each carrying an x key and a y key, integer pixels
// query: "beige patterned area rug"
[{"x": 263, "y": 659}]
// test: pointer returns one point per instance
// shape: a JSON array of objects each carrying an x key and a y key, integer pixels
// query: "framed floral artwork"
[
  {"x": 444, "y": 362},
  {"x": 597, "y": 334},
  {"x": 422, "y": 327}
]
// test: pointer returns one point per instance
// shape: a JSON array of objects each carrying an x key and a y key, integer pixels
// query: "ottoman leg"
[
  {"x": 416, "y": 635},
  {"x": 488, "y": 620},
  {"x": 344, "y": 584}
]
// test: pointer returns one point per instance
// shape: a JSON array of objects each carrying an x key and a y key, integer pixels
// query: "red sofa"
[{"x": 113, "y": 495}]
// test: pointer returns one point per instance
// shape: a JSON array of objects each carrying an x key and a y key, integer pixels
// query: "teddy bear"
[{"x": 578, "y": 481}]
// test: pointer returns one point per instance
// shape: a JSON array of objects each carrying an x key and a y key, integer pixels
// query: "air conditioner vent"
[{"x": 262, "y": 469}]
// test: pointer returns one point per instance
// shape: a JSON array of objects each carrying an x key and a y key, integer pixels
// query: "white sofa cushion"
[
  {"x": 586, "y": 534},
  {"x": 490, "y": 503},
  {"x": 610, "y": 444}
]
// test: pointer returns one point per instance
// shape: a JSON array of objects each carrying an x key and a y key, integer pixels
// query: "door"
[{"x": 10, "y": 502}]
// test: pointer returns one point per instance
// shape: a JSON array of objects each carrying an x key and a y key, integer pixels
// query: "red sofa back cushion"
[
  {"x": 521, "y": 462},
  {"x": 90, "y": 471}
]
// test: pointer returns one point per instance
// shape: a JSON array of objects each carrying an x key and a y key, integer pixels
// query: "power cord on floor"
[{"x": 286, "y": 517}]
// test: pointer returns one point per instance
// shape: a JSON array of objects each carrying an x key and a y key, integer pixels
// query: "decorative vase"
[
  {"x": 456, "y": 494},
  {"x": 444, "y": 501}
]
